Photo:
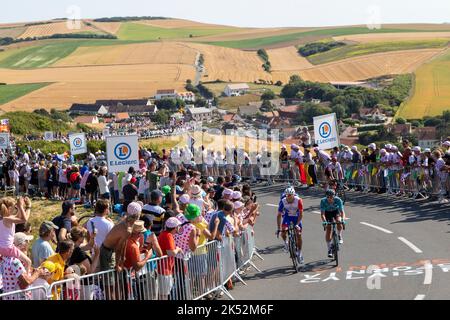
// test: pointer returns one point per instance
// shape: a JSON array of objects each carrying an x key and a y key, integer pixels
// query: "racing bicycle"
[{"x": 334, "y": 239}]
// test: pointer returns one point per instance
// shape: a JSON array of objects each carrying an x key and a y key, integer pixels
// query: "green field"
[
  {"x": 431, "y": 90},
  {"x": 351, "y": 51},
  {"x": 44, "y": 55},
  {"x": 141, "y": 32},
  {"x": 232, "y": 103},
  {"x": 217, "y": 88},
  {"x": 319, "y": 34},
  {"x": 13, "y": 91}
]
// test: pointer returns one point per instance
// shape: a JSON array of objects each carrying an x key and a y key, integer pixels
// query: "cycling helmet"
[
  {"x": 289, "y": 191},
  {"x": 330, "y": 192}
]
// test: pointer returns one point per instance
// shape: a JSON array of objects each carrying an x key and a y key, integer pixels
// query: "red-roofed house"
[{"x": 289, "y": 112}]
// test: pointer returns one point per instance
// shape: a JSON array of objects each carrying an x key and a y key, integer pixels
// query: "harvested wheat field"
[
  {"x": 231, "y": 64},
  {"x": 43, "y": 30},
  {"x": 109, "y": 27},
  {"x": 140, "y": 53},
  {"x": 365, "y": 67},
  {"x": 288, "y": 58},
  {"x": 382, "y": 37},
  {"x": 178, "y": 23},
  {"x": 63, "y": 95},
  {"x": 11, "y": 32},
  {"x": 87, "y": 84}
]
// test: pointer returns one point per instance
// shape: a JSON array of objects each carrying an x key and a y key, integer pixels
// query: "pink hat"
[
  {"x": 236, "y": 195},
  {"x": 227, "y": 192},
  {"x": 184, "y": 199},
  {"x": 133, "y": 209},
  {"x": 172, "y": 223},
  {"x": 446, "y": 143},
  {"x": 238, "y": 205}
]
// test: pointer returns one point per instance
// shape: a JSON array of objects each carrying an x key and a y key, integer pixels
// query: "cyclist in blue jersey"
[
  {"x": 290, "y": 210},
  {"x": 332, "y": 210}
]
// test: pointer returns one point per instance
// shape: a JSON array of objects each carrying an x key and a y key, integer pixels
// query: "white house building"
[
  {"x": 236, "y": 89},
  {"x": 166, "y": 94},
  {"x": 200, "y": 114}
]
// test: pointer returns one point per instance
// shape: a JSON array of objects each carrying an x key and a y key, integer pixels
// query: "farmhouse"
[
  {"x": 166, "y": 94},
  {"x": 186, "y": 96},
  {"x": 236, "y": 89},
  {"x": 374, "y": 114},
  {"x": 200, "y": 114},
  {"x": 86, "y": 120},
  {"x": 88, "y": 109},
  {"x": 426, "y": 137}
]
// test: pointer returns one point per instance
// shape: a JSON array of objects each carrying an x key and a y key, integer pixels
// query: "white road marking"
[
  {"x": 428, "y": 273},
  {"x": 409, "y": 244},
  {"x": 317, "y": 212},
  {"x": 419, "y": 297},
  {"x": 376, "y": 227},
  {"x": 271, "y": 205}
]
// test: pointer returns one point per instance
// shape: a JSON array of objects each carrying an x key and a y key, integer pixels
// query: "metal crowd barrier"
[{"x": 191, "y": 277}]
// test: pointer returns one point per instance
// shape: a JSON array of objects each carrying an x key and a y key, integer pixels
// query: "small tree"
[
  {"x": 268, "y": 95},
  {"x": 400, "y": 120}
]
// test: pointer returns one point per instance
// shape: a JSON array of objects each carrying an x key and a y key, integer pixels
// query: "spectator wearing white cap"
[
  {"x": 227, "y": 193},
  {"x": 446, "y": 146},
  {"x": 296, "y": 156},
  {"x": 14, "y": 274},
  {"x": 284, "y": 162},
  {"x": 196, "y": 198},
  {"x": 166, "y": 242}
]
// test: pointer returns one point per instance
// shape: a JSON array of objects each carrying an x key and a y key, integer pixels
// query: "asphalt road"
[{"x": 393, "y": 249}]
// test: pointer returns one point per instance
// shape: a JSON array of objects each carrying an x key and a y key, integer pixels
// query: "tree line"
[{"x": 317, "y": 47}]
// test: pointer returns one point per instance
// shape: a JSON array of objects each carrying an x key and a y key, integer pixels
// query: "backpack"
[{"x": 73, "y": 177}]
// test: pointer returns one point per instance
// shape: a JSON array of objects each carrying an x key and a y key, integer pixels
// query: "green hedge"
[{"x": 26, "y": 122}]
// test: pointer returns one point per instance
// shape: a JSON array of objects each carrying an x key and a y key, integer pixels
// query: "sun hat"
[
  {"x": 184, "y": 199},
  {"x": 172, "y": 223},
  {"x": 138, "y": 227},
  {"x": 133, "y": 209},
  {"x": 227, "y": 192},
  {"x": 427, "y": 150},
  {"x": 294, "y": 146},
  {"x": 21, "y": 238},
  {"x": 196, "y": 191},
  {"x": 383, "y": 151},
  {"x": 192, "y": 211},
  {"x": 417, "y": 149},
  {"x": 354, "y": 148},
  {"x": 236, "y": 195},
  {"x": 166, "y": 189},
  {"x": 238, "y": 205},
  {"x": 446, "y": 143},
  {"x": 283, "y": 147},
  {"x": 372, "y": 146},
  {"x": 210, "y": 179},
  {"x": 50, "y": 266}
]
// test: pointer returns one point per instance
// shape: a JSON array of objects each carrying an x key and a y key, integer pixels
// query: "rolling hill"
[{"x": 152, "y": 54}]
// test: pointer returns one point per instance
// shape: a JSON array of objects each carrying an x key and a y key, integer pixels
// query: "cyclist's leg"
[{"x": 299, "y": 238}]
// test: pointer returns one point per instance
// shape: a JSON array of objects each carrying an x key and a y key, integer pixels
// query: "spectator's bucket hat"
[{"x": 192, "y": 212}]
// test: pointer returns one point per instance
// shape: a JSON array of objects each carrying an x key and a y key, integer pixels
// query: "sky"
[{"x": 242, "y": 13}]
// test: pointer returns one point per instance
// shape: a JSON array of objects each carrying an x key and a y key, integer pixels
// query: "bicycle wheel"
[
  {"x": 292, "y": 248},
  {"x": 335, "y": 247}
]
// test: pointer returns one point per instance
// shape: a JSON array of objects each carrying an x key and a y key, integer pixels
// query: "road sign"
[
  {"x": 78, "y": 143},
  {"x": 326, "y": 133},
  {"x": 48, "y": 136},
  {"x": 122, "y": 153},
  {"x": 4, "y": 141}
]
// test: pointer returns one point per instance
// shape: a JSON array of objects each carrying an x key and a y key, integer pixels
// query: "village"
[{"x": 137, "y": 115}]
